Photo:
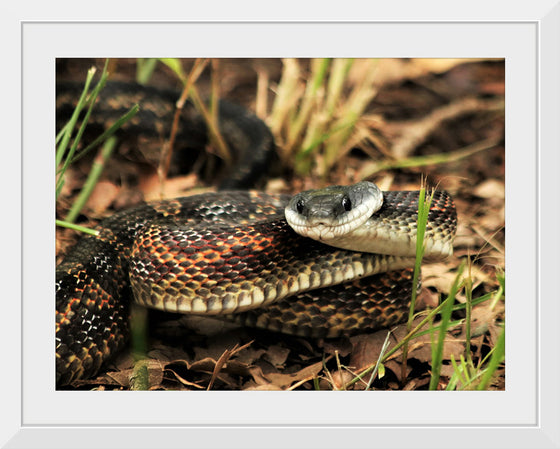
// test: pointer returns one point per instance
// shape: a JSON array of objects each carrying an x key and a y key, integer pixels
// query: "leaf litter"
[{"x": 422, "y": 107}]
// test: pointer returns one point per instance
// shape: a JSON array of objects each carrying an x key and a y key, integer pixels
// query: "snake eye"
[
  {"x": 347, "y": 204},
  {"x": 299, "y": 206}
]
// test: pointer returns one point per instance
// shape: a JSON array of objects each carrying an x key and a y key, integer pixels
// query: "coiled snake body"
[{"x": 233, "y": 252}]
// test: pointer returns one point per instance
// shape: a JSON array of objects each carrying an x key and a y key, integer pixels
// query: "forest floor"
[{"x": 442, "y": 119}]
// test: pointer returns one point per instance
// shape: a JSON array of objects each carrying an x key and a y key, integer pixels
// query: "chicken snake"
[{"x": 232, "y": 253}]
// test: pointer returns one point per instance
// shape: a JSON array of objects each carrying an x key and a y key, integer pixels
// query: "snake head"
[{"x": 331, "y": 212}]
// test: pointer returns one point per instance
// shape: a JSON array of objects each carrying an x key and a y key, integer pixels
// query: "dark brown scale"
[
  {"x": 93, "y": 290},
  {"x": 368, "y": 303}
]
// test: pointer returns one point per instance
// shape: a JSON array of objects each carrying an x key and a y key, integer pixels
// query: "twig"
[{"x": 167, "y": 152}]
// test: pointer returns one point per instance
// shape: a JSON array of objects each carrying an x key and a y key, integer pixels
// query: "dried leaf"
[
  {"x": 104, "y": 193},
  {"x": 277, "y": 355},
  {"x": 492, "y": 188},
  {"x": 366, "y": 349}
]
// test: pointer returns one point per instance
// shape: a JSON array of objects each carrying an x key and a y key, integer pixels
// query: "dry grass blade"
[
  {"x": 287, "y": 95},
  {"x": 415, "y": 133},
  {"x": 372, "y": 168},
  {"x": 313, "y": 94},
  {"x": 261, "y": 102},
  {"x": 226, "y": 355},
  {"x": 167, "y": 152},
  {"x": 378, "y": 362},
  {"x": 349, "y": 113},
  {"x": 315, "y": 118}
]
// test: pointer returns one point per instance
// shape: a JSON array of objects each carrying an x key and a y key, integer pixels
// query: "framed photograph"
[{"x": 472, "y": 104}]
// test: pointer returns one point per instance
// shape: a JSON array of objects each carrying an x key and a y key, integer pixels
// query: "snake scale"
[{"x": 233, "y": 253}]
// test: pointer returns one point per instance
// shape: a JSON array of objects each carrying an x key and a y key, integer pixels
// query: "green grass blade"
[
  {"x": 69, "y": 127},
  {"x": 175, "y": 65},
  {"x": 144, "y": 69},
  {"x": 378, "y": 363},
  {"x": 417, "y": 331},
  {"x": 468, "y": 317},
  {"x": 76, "y": 227},
  {"x": 61, "y": 150},
  {"x": 339, "y": 72},
  {"x": 319, "y": 69},
  {"x": 78, "y": 137},
  {"x": 92, "y": 179},
  {"x": 413, "y": 333},
  {"x": 500, "y": 276},
  {"x": 60, "y": 134},
  {"x": 456, "y": 377},
  {"x": 498, "y": 356},
  {"x": 437, "y": 352},
  {"x": 432, "y": 159},
  {"x": 108, "y": 132},
  {"x": 421, "y": 223}
]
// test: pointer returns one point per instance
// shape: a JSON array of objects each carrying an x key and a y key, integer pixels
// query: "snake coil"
[{"x": 233, "y": 253}]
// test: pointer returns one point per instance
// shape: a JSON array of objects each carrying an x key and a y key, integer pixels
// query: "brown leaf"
[
  {"x": 284, "y": 381},
  {"x": 447, "y": 370},
  {"x": 258, "y": 376},
  {"x": 224, "y": 358},
  {"x": 366, "y": 349},
  {"x": 104, "y": 193},
  {"x": 205, "y": 365},
  {"x": 427, "y": 299},
  {"x": 153, "y": 189},
  {"x": 415, "y": 384},
  {"x": 485, "y": 319},
  {"x": 183, "y": 380},
  {"x": 264, "y": 387},
  {"x": 166, "y": 353},
  {"x": 421, "y": 347},
  {"x": 340, "y": 378},
  {"x": 395, "y": 366},
  {"x": 276, "y": 355},
  {"x": 249, "y": 355},
  {"x": 491, "y": 188},
  {"x": 307, "y": 373},
  {"x": 342, "y": 346}
]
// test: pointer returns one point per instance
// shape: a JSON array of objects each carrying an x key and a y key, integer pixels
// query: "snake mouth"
[{"x": 333, "y": 212}]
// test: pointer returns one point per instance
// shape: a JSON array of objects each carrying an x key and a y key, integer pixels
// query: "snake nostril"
[{"x": 319, "y": 223}]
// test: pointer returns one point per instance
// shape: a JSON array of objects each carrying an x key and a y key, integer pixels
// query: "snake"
[{"x": 321, "y": 263}]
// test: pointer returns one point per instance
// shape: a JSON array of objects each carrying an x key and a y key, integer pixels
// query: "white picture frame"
[{"x": 526, "y": 414}]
